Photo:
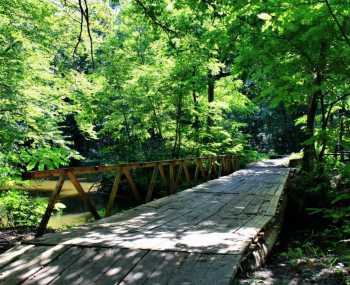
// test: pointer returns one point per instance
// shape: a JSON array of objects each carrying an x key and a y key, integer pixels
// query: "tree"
[{"x": 297, "y": 58}]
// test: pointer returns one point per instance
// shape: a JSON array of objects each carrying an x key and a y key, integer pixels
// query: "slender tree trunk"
[
  {"x": 324, "y": 128},
  {"x": 309, "y": 149},
  {"x": 156, "y": 119},
  {"x": 341, "y": 132},
  {"x": 177, "y": 142},
  {"x": 211, "y": 90},
  {"x": 211, "y": 87},
  {"x": 128, "y": 136}
]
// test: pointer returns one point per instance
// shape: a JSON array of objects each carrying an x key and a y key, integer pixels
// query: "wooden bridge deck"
[{"x": 197, "y": 236}]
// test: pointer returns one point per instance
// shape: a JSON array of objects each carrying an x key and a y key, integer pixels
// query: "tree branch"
[
  {"x": 150, "y": 14},
  {"x": 221, "y": 74},
  {"x": 86, "y": 14},
  {"x": 347, "y": 40},
  {"x": 81, "y": 28}
]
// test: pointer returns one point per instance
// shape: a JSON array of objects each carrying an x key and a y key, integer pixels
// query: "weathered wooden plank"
[
  {"x": 88, "y": 266},
  {"x": 29, "y": 263},
  {"x": 183, "y": 268},
  {"x": 113, "y": 266},
  {"x": 254, "y": 206},
  {"x": 154, "y": 268},
  {"x": 13, "y": 254},
  {"x": 206, "y": 269},
  {"x": 252, "y": 227},
  {"x": 137, "y": 218},
  {"x": 55, "y": 268}
]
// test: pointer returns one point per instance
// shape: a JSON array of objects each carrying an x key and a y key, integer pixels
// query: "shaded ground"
[
  {"x": 308, "y": 252},
  {"x": 10, "y": 237},
  {"x": 303, "y": 263}
]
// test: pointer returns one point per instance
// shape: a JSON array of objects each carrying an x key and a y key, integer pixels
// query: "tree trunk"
[
  {"x": 309, "y": 149},
  {"x": 177, "y": 141},
  {"x": 211, "y": 88},
  {"x": 341, "y": 133},
  {"x": 324, "y": 129}
]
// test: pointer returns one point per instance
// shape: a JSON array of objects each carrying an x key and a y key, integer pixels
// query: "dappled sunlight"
[{"x": 196, "y": 236}]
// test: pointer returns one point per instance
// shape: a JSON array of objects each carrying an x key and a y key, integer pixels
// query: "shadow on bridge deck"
[{"x": 198, "y": 236}]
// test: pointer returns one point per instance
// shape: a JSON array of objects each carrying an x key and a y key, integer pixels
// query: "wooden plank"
[
  {"x": 132, "y": 184},
  {"x": 183, "y": 268},
  {"x": 83, "y": 195},
  {"x": 206, "y": 269},
  {"x": 13, "y": 253},
  {"x": 113, "y": 194},
  {"x": 50, "y": 206},
  {"x": 55, "y": 268},
  {"x": 109, "y": 266},
  {"x": 96, "y": 266},
  {"x": 29, "y": 263},
  {"x": 76, "y": 269},
  {"x": 152, "y": 184},
  {"x": 254, "y": 206}
]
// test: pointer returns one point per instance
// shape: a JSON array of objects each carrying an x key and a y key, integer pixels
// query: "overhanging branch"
[{"x": 346, "y": 38}]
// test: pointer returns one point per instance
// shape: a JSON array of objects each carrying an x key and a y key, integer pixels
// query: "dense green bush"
[
  {"x": 17, "y": 208},
  {"x": 324, "y": 194}
]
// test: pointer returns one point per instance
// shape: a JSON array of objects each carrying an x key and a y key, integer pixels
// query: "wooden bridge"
[{"x": 197, "y": 236}]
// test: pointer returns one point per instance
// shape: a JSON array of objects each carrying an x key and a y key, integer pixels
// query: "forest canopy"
[{"x": 114, "y": 81}]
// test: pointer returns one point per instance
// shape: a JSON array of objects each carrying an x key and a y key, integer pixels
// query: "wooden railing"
[
  {"x": 171, "y": 173},
  {"x": 344, "y": 155}
]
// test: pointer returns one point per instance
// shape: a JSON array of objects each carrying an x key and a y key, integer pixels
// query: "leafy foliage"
[
  {"x": 17, "y": 208},
  {"x": 175, "y": 79}
]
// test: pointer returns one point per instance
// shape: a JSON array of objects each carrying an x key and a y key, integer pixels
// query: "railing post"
[
  {"x": 132, "y": 184},
  {"x": 152, "y": 184},
  {"x": 171, "y": 177},
  {"x": 113, "y": 194},
  {"x": 45, "y": 219},
  {"x": 83, "y": 195},
  {"x": 187, "y": 174}
]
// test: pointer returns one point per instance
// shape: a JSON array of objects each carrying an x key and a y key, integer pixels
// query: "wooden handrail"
[
  {"x": 216, "y": 166},
  {"x": 78, "y": 170}
]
